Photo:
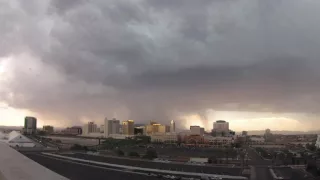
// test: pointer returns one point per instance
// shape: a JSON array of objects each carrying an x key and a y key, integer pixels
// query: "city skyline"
[{"x": 195, "y": 62}]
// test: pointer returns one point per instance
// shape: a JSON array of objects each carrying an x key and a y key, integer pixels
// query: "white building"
[
  {"x": 221, "y": 126},
  {"x": 30, "y": 125},
  {"x": 164, "y": 137},
  {"x": 91, "y": 127},
  {"x": 197, "y": 130},
  {"x": 172, "y": 126},
  {"x": 111, "y": 127},
  {"x": 102, "y": 128},
  {"x": 120, "y": 136},
  {"x": 257, "y": 140},
  {"x": 318, "y": 141},
  {"x": 15, "y": 139},
  {"x": 219, "y": 141}
]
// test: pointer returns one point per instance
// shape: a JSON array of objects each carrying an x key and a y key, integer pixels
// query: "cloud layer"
[{"x": 78, "y": 60}]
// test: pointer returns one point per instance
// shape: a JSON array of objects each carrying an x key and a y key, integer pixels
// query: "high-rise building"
[
  {"x": 140, "y": 130},
  {"x": 91, "y": 127},
  {"x": 244, "y": 133},
  {"x": 128, "y": 127},
  {"x": 30, "y": 125},
  {"x": 172, "y": 126},
  {"x": 74, "y": 130},
  {"x": 154, "y": 127},
  {"x": 111, "y": 127},
  {"x": 268, "y": 135},
  {"x": 221, "y": 126},
  {"x": 196, "y": 130},
  {"x": 102, "y": 128},
  {"x": 201, "y": 131},
  {"x": 48, "y": 129}
]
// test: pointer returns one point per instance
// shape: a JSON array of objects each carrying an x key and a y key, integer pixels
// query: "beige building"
[
  {"x": 88, "y": 128},
  {"x": 111, "y": 126},
  {"x": 164, "y": 137},
  {"x": 196, "y": 130},
  {"x": 219, "y": 141},
  {"x": 128, "y": 127},
  {"x": 221, "y": 126},
  {"x": 153, "y": 128}
]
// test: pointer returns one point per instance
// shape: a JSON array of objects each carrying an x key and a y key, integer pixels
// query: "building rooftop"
[
  {"x": 15, "y": 166},
  {"x": 220, "y": 121}
]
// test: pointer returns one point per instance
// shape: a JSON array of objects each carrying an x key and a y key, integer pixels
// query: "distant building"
[
  {"x": 164, "y": 137},
  {"x": 244, "y": 133},
  {"x": 30, "y": 125},
  {"x": 154, "y": 127},
  {"x": 48, "y": 129},
  {"x": 192, "y": 139},
  {"x": 257, "y": 140},
  {"x": 111, "y": 127},
  {"x": 120, "y": 136},
  {"x": 197, "y": 130},
  {"x": 74, "y": 130},
  {"x": 15, "y": 139},
  {"x": 102, "y": 128},
  {"x": 172, "y": 126},
  {"x": 128, "y": 127},
  {"x": 221, "y": 126},
  {"x": 268, "y": 135},
  {"x": 140, "y": 130},
  {"x": 318, "y": 142},
  {"x": 88, "y": 128},
  {"x": 219, "y": 141}
]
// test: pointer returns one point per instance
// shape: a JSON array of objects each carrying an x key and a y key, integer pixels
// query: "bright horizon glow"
[
  {"x": 238, "y": 121},
  {"x": 248, "y": 121},
  {"x": 14, "y": 117}
]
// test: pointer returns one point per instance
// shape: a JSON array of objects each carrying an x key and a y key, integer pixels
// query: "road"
[
  {"x": 260, "y": 166},
  {"x": 167, "y": 166},
  {"x": 86, "y": 171},
  {"x": 79, "y": 171}
]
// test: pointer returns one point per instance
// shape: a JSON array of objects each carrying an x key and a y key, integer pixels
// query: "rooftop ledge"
[{"x": 15, "y": 166}]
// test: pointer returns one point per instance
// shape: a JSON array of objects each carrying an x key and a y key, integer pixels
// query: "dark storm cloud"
[{"x": 159, "y": 59}]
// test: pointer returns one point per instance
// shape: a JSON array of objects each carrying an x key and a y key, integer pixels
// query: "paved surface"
[
  {"x": 164, "y": 166},
  {"x": 260, "y": 166},
  {"x": 14, "y": 166},
  {"x": 262, "y": 172},
  {"x": 83, "y": 172},
  {"x": 87, "y": 171}
]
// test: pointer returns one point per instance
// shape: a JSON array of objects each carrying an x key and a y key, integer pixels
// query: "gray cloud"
[{"x": 157, "y": 59}]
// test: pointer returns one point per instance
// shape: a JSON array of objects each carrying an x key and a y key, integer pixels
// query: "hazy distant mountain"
[
  {"x": 261, "y": 132},
  {"x": 11, "y": 127}
]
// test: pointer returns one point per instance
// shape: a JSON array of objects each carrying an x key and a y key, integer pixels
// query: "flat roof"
[{"x": 15, "y": 166}]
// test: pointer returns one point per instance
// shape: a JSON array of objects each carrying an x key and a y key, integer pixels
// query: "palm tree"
[
  {"x": 227, "y": 156},
  {"x": 242, "y": 156}
]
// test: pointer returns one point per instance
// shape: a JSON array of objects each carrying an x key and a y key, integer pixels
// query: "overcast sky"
[{"x": 71, "y": 61}]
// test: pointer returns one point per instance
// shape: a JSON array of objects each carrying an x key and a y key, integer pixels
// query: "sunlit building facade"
[
  {"x": 111, "y": 126},
  {"x": 128, "y": 127},
  {"x": 30, "y": 125}
]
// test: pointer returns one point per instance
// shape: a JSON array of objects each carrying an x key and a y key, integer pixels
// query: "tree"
[
  {"x": 227, "y": 156},
  {"x": 77, "y": 147},
  {"x": 119, "y": 152},
  {"x": 133, "y": 154},
  {"x": 311, "y": 147},
  {"x": 150, "y": 154},
  {"x": 213, "y": 160}
]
